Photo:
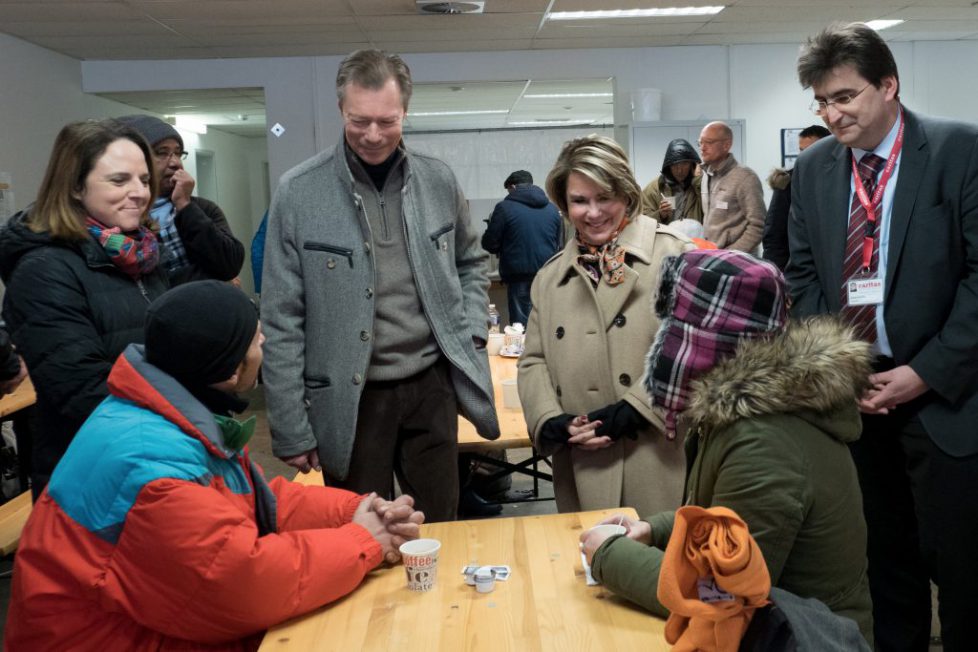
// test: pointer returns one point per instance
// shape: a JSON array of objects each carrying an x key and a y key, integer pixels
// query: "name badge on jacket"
[{"x": 864, "y": 290}]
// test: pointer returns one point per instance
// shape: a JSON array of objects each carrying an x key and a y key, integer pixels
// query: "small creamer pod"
[{"x": 420, "y": 559}]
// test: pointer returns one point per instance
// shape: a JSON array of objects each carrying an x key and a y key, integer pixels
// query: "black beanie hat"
[
  {"x": 200, "y": 332},
  {"x": 152, "y": 128}
]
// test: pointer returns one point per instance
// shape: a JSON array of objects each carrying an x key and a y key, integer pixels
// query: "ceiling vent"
[{"x": 442, "y": 7}]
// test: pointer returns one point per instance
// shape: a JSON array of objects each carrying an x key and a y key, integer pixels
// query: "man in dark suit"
[{"x": 900, "y": 262}]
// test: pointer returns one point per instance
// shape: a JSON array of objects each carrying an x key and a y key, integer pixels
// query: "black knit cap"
[
  {"x": 152, "y": 128},
  {"x": 518, "y": 178},
  {"x": 200, "y": 332}
]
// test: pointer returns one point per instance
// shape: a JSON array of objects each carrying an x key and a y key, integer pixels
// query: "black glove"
[
  {"x": 618, "y": 420},
  {"x": 555, "y": 429}
]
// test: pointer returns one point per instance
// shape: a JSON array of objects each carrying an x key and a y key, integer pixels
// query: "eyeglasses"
[
  {"x": 710, "y": 143},
  {"x": 164, "y": 155},
  {"x": 818, "y": 107}
]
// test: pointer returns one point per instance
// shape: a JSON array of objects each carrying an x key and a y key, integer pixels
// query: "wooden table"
[
  {"x": 544, "y": 605},
  {"x": 20, "y": 398},
  {"x": 512, "y": 426},
  {"x": 14, "y": 512},
  {"x": 513, "y": 432},
  {"x": 12, "y": 407}
]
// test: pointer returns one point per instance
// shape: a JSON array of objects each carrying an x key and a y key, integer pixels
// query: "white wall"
[
  {"x": 482, "y": 160},
  {"x": 40, "y": 91}
]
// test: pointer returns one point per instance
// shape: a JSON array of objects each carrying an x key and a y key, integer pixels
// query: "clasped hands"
[
  {"x": 390, "y": 522},
  {"x": 597, "y": 429}
]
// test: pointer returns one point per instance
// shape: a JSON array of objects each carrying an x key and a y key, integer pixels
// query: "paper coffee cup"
[
  {"x": 420, "y": 559},
  {"x": 511, "y": 395},
  {"x": 495, "y": 343},
  {"x": 671, "y": 201}
]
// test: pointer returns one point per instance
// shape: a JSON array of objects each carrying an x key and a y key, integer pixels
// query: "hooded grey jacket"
[{"x": 318, "y": 300}]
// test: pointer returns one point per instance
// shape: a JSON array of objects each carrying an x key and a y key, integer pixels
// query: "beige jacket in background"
[{"x": 736, "y": 212}]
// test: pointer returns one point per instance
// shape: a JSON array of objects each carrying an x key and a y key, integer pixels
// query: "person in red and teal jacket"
[{"x": 157, "y": 531}]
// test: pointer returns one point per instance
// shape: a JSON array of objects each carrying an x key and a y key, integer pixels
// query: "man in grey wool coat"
[{"x": 375, "y": 304}]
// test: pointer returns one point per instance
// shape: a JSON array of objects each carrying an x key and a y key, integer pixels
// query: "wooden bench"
[
  {"x": 14, "y": 512},
  {"x": 13, "y": 517}
]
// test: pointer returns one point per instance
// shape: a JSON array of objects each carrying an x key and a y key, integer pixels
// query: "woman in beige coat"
[{"x": 591, "y": 325}]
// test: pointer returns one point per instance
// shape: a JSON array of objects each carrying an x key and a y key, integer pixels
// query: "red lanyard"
[{"x": 870, "y": 205}]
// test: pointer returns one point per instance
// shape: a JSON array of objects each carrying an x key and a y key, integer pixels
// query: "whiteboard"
[{"x": 648, "y": 142}]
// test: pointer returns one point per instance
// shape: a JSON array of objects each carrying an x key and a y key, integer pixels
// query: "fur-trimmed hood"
[
  {"x": 779, "y": 179},
  {"x": 813, "y": 367}
]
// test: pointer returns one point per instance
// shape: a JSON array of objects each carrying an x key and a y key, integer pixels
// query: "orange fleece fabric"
[{"x": 713, "y": 577}]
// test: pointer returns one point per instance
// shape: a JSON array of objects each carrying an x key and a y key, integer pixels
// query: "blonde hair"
[
  {"x": 77, "y": 148},
  {"x": 604, "y": 162}
]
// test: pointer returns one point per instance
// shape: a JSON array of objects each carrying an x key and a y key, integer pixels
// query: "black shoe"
[{"x": 472, "y": 505}]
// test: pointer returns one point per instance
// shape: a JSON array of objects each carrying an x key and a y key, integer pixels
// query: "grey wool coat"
[
  {"x": 585, "y": 349},
  {"x": 318, "y": 307}
]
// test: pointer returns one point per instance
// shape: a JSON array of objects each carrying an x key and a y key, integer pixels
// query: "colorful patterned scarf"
[
  {"x": 136, "y": 254},
  {"x": 607, "y": 259}
]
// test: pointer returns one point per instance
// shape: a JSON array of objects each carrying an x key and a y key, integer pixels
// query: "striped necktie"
[{"x": 862, "y": 318}]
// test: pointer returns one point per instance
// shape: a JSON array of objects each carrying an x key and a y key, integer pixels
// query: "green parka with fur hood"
[{"x": 768, "y": 438}]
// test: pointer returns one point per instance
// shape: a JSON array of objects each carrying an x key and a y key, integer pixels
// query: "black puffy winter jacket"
[{"x": 70, "y": 312}]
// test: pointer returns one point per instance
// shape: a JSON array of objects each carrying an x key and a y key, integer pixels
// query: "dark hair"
[
  {"x": 520, "y": 177},
  {"x": 855, "y": 45},
  {"x": 371, "y": 69},
  {"x": 77, "y": 148},
  {"x": 815, "y": 131}
]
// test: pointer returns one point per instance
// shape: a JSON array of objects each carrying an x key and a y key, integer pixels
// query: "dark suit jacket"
[{"x": 931, "y": 294}]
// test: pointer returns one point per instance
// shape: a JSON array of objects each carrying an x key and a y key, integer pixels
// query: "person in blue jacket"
[{"x": 525, "y": 231}]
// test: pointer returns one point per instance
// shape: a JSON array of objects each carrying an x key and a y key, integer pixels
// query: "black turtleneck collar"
[
  {"x": 378, "y": 173},
  {"x": 218, "y": 402}
]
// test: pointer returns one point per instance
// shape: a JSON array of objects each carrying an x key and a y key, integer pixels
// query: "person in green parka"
[{"x": 768, "y": 408}]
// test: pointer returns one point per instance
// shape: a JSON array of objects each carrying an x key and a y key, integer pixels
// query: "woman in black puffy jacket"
[{"x": 80, "y": 267}]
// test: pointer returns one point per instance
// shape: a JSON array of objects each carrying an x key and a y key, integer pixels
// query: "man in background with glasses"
[
  {"x": 733, "y": 200},
  {"x": 896, "y": 254},
  {"x": 198, "y": 240}
]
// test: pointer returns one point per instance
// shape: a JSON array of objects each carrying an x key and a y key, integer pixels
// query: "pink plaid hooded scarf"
[{"x": 708, "y": 301}]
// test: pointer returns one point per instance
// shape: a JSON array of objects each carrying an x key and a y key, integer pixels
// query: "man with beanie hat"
[
  {"x": 158, "y": 531},
  {"x": 199, "y": 243},
  {"x": 675, "y": 194},
  {"x": 768, "y": 411}
]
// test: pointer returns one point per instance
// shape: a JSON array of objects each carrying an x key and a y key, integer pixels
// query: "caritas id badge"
[{"x": 864, "y": 289}]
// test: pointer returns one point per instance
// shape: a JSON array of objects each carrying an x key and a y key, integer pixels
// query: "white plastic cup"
[
  {"x": 671, "y": 200},
  {"x": 608, "y": 529},
  {"x": 420, "y": 558},
  {"x": 495, "y": 343},
  {"x": 511, "y": 395},
  {"x": 485, "y": 580}
]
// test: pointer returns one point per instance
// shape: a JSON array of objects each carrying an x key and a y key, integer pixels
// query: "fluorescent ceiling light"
[
  {"x": 190, "y": 124},
  {"x": 425, "y": 114},
  {"x": 635, "y": 13},
  {"x": 548, "y": 123},
  {"x": 541, "y": 96},
  {"x": 882, "y": 24}
]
